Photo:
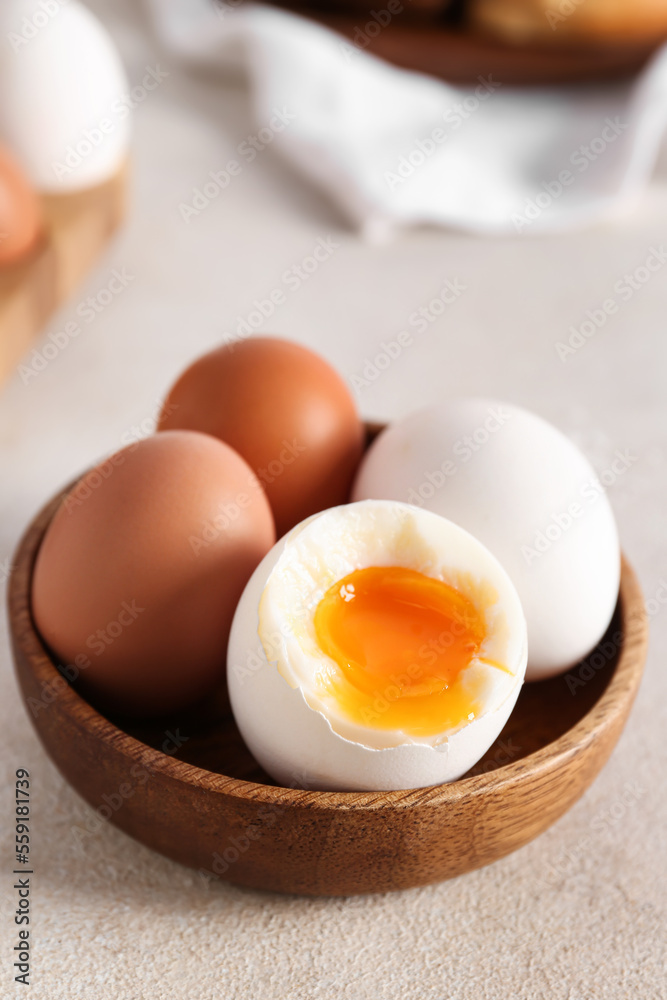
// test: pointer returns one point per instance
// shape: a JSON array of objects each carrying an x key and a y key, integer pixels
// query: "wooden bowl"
[
  {"x": 187, "y": 786},
  {"x": 461, "y": 53}
]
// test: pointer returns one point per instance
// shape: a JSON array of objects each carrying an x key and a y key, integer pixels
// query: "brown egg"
[
  {"x": 20, "y": 214},
  {"x": 138, "y": 576},
  {"x": 285, "y": 410}
]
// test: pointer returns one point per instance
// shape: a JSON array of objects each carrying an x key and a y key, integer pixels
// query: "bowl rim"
[{"x": 613, "y": 702}]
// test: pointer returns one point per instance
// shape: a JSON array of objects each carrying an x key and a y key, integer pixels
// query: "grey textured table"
[{"x": 578, "y": 914}]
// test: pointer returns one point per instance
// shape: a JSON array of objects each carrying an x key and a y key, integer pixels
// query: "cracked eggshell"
[{"x": 299, "y": 745}]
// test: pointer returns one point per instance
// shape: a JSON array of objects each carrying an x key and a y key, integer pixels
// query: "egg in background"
[
  {"x": 60, "y": 91},
  {"x": 527, "y": 493},
  {"x": 351, "y": 723},
  {"x": 285, "y": 410},
  {"x": 139, "y": 573},
  {"x": 20, "y": 212}
]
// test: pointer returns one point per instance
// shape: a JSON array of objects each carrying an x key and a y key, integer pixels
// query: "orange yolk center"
[{"x": 402, "y": 642}]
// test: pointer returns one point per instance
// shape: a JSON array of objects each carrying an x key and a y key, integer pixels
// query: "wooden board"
[{"x": 77, "y": 227}]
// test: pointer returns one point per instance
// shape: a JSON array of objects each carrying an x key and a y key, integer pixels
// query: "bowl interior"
[
  {"x": 203, "y": 790},
  {"x": 545, "y": 710},
  {"x": 206, "y": 735}
]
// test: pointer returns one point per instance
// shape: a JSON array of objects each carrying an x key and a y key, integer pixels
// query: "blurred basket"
[{"x": 457, "y": 40}]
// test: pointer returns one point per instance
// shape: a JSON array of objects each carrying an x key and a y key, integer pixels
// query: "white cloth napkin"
[{"x": 396, "y": 148}]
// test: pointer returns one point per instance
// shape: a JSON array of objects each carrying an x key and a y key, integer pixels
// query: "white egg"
[
  {"x": 524, "y": 490},
  {"x": 62, "y": 95},
  {"x": 284, "y": 688}
]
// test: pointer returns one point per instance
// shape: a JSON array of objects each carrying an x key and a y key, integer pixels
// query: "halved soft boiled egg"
[{"x": 376, "y": 646}]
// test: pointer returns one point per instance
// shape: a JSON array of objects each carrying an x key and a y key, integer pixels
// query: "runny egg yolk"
[{"x": 402, "y": 642}]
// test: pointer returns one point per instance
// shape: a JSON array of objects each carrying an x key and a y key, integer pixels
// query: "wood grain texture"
[
  {"x": 77, "y": 227},
  {"x": 555, "y": 24},
  {"x": 187, "y": 786}
]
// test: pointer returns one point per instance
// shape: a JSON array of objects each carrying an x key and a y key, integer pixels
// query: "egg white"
[
  {"x": 302, "y": 737},
  {"x": 63, "y": 107}
]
